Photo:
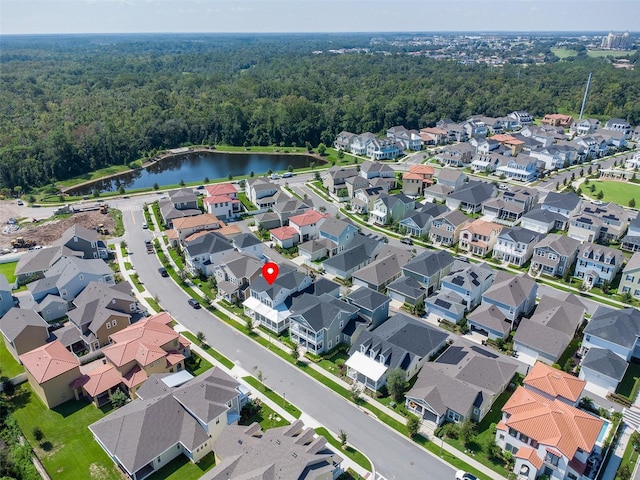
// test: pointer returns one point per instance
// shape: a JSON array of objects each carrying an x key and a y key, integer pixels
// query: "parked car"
[
  {"x": 145, "y": 226},
  {"x": 407, "y": 241},
  {"x": 287, "y": 175},
  {"x": 163, "y": 272},
  {"x": 462, "y": 475},
  {"x": 20, "y": 202},
  {"x": 194, "y": 303}
]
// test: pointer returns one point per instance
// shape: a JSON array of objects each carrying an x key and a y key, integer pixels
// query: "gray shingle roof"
[
  {"x": 471, "y": 277},
  {"x": 211, "y": 242},
  {"x": 407, "y": 286},
  {"x": 563, "y": 245},
  {"x": 509, "y": 289},
  {"x": 521, "y": 235},
  {"x": 245, "y": 240},
  {"x": 429, "y": 262},
  {"x": 449, "y": 301},
  {"x": 368, "y": 299},
  {"x": 380, "y": 271},
  {"x": 13, "y": 323},
  {"x": 620, "y": 327},
  {"x": 334, "y": 226},
  {"x": 288, "y": 280},
  {"x": 540, "y": 215},
  {"x": 358, "y": 251},
  {"x": 565, "y": 201},
  {"x": 474, "y": 193},
  {"x": 321, "y": 312},
  {"x": 490, "y": 316},
  {"x": 605, "y": 362}
]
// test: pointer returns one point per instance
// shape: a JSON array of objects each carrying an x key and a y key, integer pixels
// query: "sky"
[{"x": 254, "y": 16}]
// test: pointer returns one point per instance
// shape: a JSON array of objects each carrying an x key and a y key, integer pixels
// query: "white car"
[{"x": 462, "y": 475}]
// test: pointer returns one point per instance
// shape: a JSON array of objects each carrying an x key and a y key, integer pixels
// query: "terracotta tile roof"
[
  {"x": 307, "y": 218},
  {"x": 283, "y": 233},
  {"x": 530, "y": 455},
  {"x": 219, "y": 199},
  {"x": 134, "y": 377},
  {"x": 221, "y": 189},
  {"x": 555, "y": 382},
  {"x": 199, "y": 234},
  {"x": 49, "y": 361},
  {"x": 482, "y": 227},
  {"x": 229, "y": 230},
  {"x": 99, "y": 380},
  {"x": 174, "y": 358},
  {"x": 552, "y": 423},
  {"x": 172, "y": 234},
  {"x": 204, "y": 220},
  {"x": 422, "y": 169},
  {"x": 411, "y": 176}
]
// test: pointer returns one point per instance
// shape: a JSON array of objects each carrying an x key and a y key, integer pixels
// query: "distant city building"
[{"x": 616, "y": 41}]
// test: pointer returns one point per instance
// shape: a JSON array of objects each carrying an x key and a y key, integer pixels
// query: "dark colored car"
[
  {"x": 194, "y": 303},
  {"x": 407, "y": 241},
  {"x": 163, "y": 272}
]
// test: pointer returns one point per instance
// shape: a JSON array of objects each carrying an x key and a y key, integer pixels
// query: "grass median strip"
[
  {"x": 273, "y": 396},
  {"x": 214, "y": 353},
  {"x": 350, "y": 452}
]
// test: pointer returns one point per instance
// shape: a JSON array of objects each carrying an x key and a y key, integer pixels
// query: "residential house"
[
  {"x": 510, "y": 143},
  {"x": 285, "y": 237},
  {"x": 203, "y": 253},
  {"x": 515, "y": 245},
  {"x": 543, "y": 134},
  {"x": 603, "y": 370},
  {"x": 360, "y": 143},
  {"x": 470, "y": 283},
  {"x": 566, "y": 204},
  {"x": 409, "y": 139},
  {"x": 514, "y": 295},
  {"x": 418, "y": 224},
  {"x": 187, "y": 226},
  {"x": 489, "y": 321},
  {"x": 235, "y": 275},
  {"x": 458, "y": 155},
  {"x": 266, "y": 303},
  {"x": 343, "y": 141},
  {"x": 50, "y": 370},
  {"x": 614, "y": 140},
  {"x": 554, "y": 255},
  {"x": 262, "y": 192},
  {"x": 23, "y": 330},
  {"x": 316, "y": 322},
  {"x": 338, "y": 231},
  {"x": 84, "y": 243},
  {"x": 523, "y": 168},
  {"x": 380, "y": 273},
  {"x": 546, "y": 335},
  {"x": 618, "y": 125},
  {"x": 557, "y": 120},
  {"x": 143, "y": 436},
  {"x": 462, "y": 384},
  {"x": 597, "y": 264},
  {"x": 433, "y": 136},
  {"x": 313, "y": 251},
  {"x": 428, "y": 268},
  {"x": 479, "y": 237},
  {"x": 100, "y": 311},
  {"x": 69, "y": 276},
  {"x": 437, "y": 193},
  {"x": 407, "y": 290},
  {"x": 510, "y": 206},
  {"x": 307, "y": 224},
  {"x": 355, "y": 183},
  {"x": 446, "y": 228},
  {"x": 455, "y": 131},
  {"x": 359, "y": 253},
  {"x": 372, "y": 305},
  {"x": 6, "y": 297},
  {"x": 389, "y": 208},
  {"x": 567, "y": 445},
  {"x": 371, "y": 170},
  {"x": 181, "y": 203},
  {"x": 365, "y": 197},
  {"x": 543, "y": 221},
  {"x": 400, "y": 342},
  {"x": 52, "y": 308},
  {"x": 383, "y": 148},
  {"x": 475, "y": 129},
  {"x": 287, "y": 207},
  {"x": 417, "y": 179},
  {"x": 222, "y": 201},
  {"x": 606, "y": 222},
  {"x": 334, "y": 179},
  {"x": 630, "y": 279},
  {"x": 493, "y": 125},
  {"x": 613, "y": 329},
  {"x": 522, "y": 118},
  {"x": 291, "y": 451},
  {"x": 595, "y": 145},
  {"x": 33, "y": 265},
  {"x": 556, "y": 156},
  {"x": 471, "y": 196},
  {"x": 488, "y": 162},
  {"x": 146, "y": 347},
  {"x": 249, "y": 244},
  {"x": 446, "y": 305},
  {"x": 630, "y": 242}
]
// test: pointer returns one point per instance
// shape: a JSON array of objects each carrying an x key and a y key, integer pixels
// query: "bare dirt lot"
[{"x": 45, "y": 231}]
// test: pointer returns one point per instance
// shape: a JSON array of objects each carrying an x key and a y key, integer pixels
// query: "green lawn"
[
  {"x": 9, "y": 366},
  {"x": 218, "y": 356},
  {"x": 196, "y": 365},
  {"x": 563, "y": 52},
  {"x": 350, "y": 452},
  {"x": 609, "y": 53},
  {"x": 180, "y": 468},
  {"x": 8, "y": 270},
  {"x": 246, "y": 202},
  {"x": 628, "y": 381},
  {"x": 617, "y": 192},
  {"x": 273, "y": 396},
  {"x": 68, "y": 449},
  {"x": 266, "y": 417}
]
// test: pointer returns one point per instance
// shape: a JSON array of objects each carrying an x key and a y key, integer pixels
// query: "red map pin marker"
[{"x": 270, "y": 272}]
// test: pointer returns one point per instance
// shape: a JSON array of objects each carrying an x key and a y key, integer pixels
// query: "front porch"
[{"x": 366, "y": 371}]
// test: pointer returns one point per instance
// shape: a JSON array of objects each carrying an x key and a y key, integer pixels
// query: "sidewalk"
[{"x": 616, "y": 457}]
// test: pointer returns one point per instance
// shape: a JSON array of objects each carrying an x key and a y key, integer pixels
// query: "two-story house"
[
  {"x": 343, "y": 141},
  {"x": 23, "y": 330},
  {"x": 515, "y": 245},
  {"x": 419, "y": 223},
  {"x": 371, "y": 170},
  {"x": 446, "y": 228},
  {"x": 204, "y": 252},
  {"x": 433, "y": 136},
  {"x": 544, "y": 221},
  {"x": 597, "y": 264},
  {"x": 360, "y": 252},
  {"x": 618, "y": 125},
  {"x": 334, "y": 179},
  {"x": 266, "y": 303},
  {"x": 566, "y": 204},
  {"x": 235, "y": 275},
  {"x": 6, "y": 296},
  {"x": 479, "y": 237},
  {"x": 459, "y": 155},
  {"x": 400, "y": 342},
  {"x": 428, "y": 268},
  {"x": 372, "y": 305},
  {"x": 522, "y": 118},
  {"x": 316, "y": 322},
  {"x": 181, "y": 203},
  {"x": 613, "y": 329},
  {"x": 383, "y": 148},
  {"x": 261, "y": 192},
  {"x": 470, "y": 283},
  {"x": 630, "y": 279},
  {"x": 417, "y": 179},
  {"x": 522, "y": 168},
  {"x": 248, "y": 243},
  {"x": 307, "y": 224},
  {"x": 187, "y": 226},
  {"x": 585, "y": 126},
  {"x": 513, "y": 295},
  {"x": 554, "y": 255},
  {"x": 389, "y": 208},
  {"x": 455, "y": 132},
  {"x": 557, "y": 120},
  {"x": 630, "y": 242},
  {"x": 470, "y": 196},
  {"x": 80, "y": 239},
  {"x": 606, "y": 222},
  {"x": 409, "y": 139}
]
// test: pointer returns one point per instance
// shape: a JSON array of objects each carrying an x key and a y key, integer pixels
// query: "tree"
[
  {"x": 467, "y": 431},
  {"x": 586, "y": 180},
  {"x": 342, "y": 436},
  {"x": 600, "y": 195},
  {"x": 396, "y": 379},
  {"x": 117, "y": 398},
  {"x": 413, "y": 425},
  {"x": 340, "y": 154},
  {"x": 96, "y": 193},
  {"x": 592, "y": 188},
  {"x": 251, "y": 174},
  {"x": 290, "y": 168},
  {"x": 632, "y": 203},
  {"x": 155, "y": 186},
  {"x": 37, "y": 434},
  {"x": 295, "y": 351},
  {"x": 356, "y": 391},
  {"x": 121, "y": 190},
  {"x": 624, "y": 472},
  {"x": 316, "y": 176},
  {"x": 605, "y": 286},
  {"x": 230, "y": 176},
  {"x": 206, "y": 180},
  {"x": 322, "y": 149},
  {"x": 182, "y": 184},
  {"x": 557, "y": 185},
  {"x": 201, "y": 337},
  {"x": 635, "y": 440},
  {"x": 269, "y": 172},
  {"x": 249, "y": 324}
]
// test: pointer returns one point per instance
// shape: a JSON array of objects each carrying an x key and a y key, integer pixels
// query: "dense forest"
[{"x": 78, "y": 103}]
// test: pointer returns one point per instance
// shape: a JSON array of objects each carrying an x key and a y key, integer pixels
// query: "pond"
[{"x": 195, "y": 167}]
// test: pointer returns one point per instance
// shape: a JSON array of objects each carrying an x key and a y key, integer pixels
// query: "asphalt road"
[{"x": 394, "y": 456}]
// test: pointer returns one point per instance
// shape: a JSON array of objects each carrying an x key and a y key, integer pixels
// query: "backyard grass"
[
  {"x": 630, "y": 457},
  {"x": 246, "y": 202},
  {"x": 273, "y": 396},
  {"x": 350, "y": 452},
  {"x": 68, "y": 449},
  {"x": 629, "y": 380},
  {"x": 8, "y": 270},
  {"x": 9, "y": 366},
  {"x": 617, "y": 192},
  {"x": 180, "y": 468},
  {"x": 196, "y": 365},
  {"x": 266, "y": 417}
]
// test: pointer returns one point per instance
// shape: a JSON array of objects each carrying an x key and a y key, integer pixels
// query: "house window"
[
  {"x": 330, "y": 344},
  {"x": 114, "y": 323},
  {"x": 108, "y": 325},
  {"x": 341, "y": 323},
  {"x": 552, "y": 459},
  {"x": 159, "y": 459},
  {"x": 513, "y": 432},
  {"x": 217, "y": 420},
  {"x": 337, "y": 339}
]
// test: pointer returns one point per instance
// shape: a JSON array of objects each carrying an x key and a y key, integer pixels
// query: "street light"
[{"x": 284, "y": 400}]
